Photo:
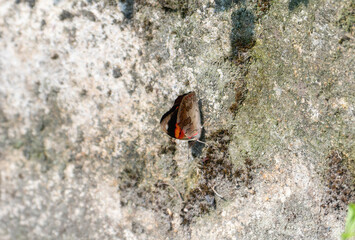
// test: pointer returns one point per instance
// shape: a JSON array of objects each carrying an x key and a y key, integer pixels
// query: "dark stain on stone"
[
  {"x": 240, "y": 95},
  {"x": 31, "y": 3},
  {"x": 116, "y": 72},
  {"x": 47, "y": 126},
  {"x": 127, "y": 8},
  {"x": 43, "y": 24},
  {"x": 83, "y": 92},
  {"x": 224, "y": 5},
  {"x": 54, "y": 56},
  {"x": 242, "y": 33},
  {"x": 71, "y": 33},
  {"x": 148, "y": 88},
  {"x": 339, "y": 182},
  {"x": 111, "y": 3},
  {"x": 148, "y": 29},
  {"x": 347, "y": 19},
  {"x": 170, "y": 5},
  {"x": 343, "y": 39},
  {"x": 66, "y": 15},
  {"x": 89, "y": 15},
  {"x": 4, "y": 129},
  {"x": 107, "y": 65},
  {"x": 173, "y": 5},
  {"x": 170, "y": 149},
  {"x": 214, "y": 169},
  {"x": 293, "y": 4},
  {"x": 131, "y": 171},
  {"x": 137, "y": 228},
  {"x": 263, "y": 7},
  {"x": 183, "y": 7}
]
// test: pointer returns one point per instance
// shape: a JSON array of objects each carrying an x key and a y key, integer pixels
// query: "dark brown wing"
[
  {"x": 189, "y": 117},
  {"x": 168, "y": 120}
]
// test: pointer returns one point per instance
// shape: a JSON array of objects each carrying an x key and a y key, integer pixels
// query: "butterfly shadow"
[{"x": 196, "y": 147}]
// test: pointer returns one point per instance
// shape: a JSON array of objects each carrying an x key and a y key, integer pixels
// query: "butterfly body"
[{"x": 183, "y": 120}]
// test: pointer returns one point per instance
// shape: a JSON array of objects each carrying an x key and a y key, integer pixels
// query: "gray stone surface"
[{"x": 83, "y": 85}]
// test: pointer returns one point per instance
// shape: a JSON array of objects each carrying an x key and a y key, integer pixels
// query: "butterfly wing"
[
  {"x": 183, "y": 120},
  {"x": 188, "y": 118},
  {"x": 168, "y": 121}
]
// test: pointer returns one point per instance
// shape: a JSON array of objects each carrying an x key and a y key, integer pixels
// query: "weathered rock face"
[{"x": 83, "y": 85}]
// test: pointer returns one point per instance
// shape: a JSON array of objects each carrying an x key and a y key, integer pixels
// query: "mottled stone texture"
[{"x": 83, "y": 85}]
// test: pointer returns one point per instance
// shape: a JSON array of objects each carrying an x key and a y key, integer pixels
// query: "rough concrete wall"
[{"x": 83, "y": 85}]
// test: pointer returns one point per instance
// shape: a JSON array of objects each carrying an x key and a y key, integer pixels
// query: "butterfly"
[{"x": 183, "y": 120}]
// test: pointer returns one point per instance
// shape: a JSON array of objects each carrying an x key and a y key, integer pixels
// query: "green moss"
[
  {"x": 283, "y": 86},
  {"x": 347, "y": 17},
  {"x": 46, "y": 127},
  {"x": 350, "y": 223}
]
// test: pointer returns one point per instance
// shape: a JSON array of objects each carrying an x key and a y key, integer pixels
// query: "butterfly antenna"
[{"x": 202, "y": 142}]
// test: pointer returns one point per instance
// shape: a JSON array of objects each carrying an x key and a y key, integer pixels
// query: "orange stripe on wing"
[
  {"x": 179, "y": 133},
  {"x": 193, "y": 135}
]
